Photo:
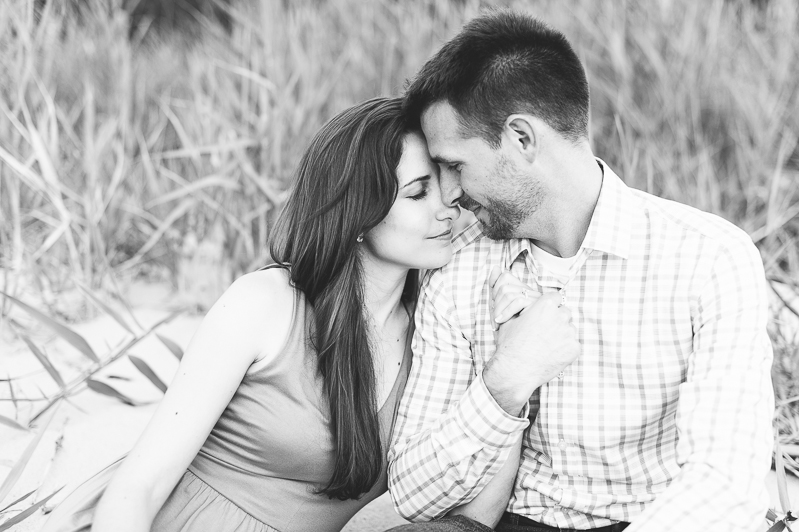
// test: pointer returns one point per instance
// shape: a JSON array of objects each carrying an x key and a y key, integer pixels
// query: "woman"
[{"x": 279, "y": 416}]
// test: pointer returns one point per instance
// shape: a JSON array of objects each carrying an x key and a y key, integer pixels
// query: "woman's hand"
[{"x": 509, "y": 296}]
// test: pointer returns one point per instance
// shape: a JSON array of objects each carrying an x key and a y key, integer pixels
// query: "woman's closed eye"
[{"x": 421, "y": 194}]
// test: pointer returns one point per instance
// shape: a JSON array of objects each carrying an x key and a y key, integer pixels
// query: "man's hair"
[{"x": 503, "y": 63}]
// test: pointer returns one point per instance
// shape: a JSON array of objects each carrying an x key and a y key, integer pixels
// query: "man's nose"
[{"x": 450, "y": 188}]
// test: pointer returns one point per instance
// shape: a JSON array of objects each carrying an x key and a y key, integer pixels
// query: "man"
[{"x": 640, "y": 377}]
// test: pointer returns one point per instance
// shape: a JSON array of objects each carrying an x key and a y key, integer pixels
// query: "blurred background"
[{"x": 147, "y": 142}]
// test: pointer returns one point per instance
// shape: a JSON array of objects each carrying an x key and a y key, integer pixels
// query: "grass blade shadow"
[
  {"x": 105, "y": 308},
  {"x": 173, "y": 347},
  {"x": 71, "y": 337},
  {"x": 104, "y": 389},
  {"x": 145, "y": 370},
  {"x": 27, "y": 513},
  {"x": 44, "y": 360},
  {"x": 19, "y": 466}
]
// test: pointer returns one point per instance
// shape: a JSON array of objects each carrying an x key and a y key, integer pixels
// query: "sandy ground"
[{"x": 91, "y": 430}]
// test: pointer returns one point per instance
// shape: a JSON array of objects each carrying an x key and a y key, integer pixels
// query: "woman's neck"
[{"x": 382, "y": 291}]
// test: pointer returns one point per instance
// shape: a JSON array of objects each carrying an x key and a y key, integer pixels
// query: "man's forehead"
[
  {"x": 442, "y": 130},
  {"x": 440, "y": 114}
]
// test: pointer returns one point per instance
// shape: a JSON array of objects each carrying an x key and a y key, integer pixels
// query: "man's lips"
[{"x": 469, "y": 204}]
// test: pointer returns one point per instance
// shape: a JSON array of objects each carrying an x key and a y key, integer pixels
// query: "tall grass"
[{"x": 115, "y": 150}]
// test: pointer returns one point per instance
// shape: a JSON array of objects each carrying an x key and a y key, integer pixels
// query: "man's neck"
[{"x": 563, "y": 223}]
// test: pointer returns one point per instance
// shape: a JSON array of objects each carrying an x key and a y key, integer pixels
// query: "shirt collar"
[{"x": 609, "y": 229}]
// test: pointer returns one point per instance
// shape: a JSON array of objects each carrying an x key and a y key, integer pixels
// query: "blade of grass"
[
  {"x": 105, "y": 308},
  {"x": 771, "y": 515},
  {"x": 782, "y": 481},
  {"x": 145, "y": 370},
  {"x": 18, "y": 500},
  {"x": 55, "y": 188},
  {"x": 73, "y": 338},
  {"x": 173, "y": 347},
  {"x": 173, "y": 216},
  {"x": 51, "y": 239},
  {"x": 44, "y": 360},
  {"x": 7, "y": 421},
  {"x": 190, "y": 152},
  {"x": 191, "y": 188},
  {"x": 30, "y": 177},
  {"x": 22, "y": 462},
  {"x": 12, "y": 393},
  {"x": 779, "y": 526},
  {"x": 185, "y": 141},
  {"x": 104, "y": 389},
  {"x": 27, "y": 513}
]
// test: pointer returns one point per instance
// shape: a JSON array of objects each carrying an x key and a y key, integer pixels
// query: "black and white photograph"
[{"x": 399, "y": 265}]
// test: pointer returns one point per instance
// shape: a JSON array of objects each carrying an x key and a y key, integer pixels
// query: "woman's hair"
[{"x": 345, "y": 185}]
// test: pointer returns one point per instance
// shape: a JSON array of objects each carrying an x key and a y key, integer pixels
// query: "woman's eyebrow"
[{"x": 422, "y": 178}]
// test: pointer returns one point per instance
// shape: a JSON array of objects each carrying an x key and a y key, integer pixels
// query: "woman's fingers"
[
  {"x": 510, "y": 307},
  {"x": 509, "y": 296}
]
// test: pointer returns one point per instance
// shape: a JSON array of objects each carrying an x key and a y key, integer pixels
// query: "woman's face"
[{"x": 417, "y": 231}]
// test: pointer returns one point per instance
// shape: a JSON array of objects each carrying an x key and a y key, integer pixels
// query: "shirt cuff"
[{"x": 481, "y": 418}]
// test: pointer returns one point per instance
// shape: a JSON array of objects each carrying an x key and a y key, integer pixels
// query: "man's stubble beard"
[{"x": 506, "y": 215}]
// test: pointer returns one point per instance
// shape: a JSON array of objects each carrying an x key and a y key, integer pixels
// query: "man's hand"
[{"x": 532, "y": 348}]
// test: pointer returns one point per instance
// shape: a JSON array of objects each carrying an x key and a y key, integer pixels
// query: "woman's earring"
[{"x": 360, "y": 238}]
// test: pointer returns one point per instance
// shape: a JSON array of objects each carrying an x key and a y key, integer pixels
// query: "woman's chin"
[{"x": 433, "y": 261}]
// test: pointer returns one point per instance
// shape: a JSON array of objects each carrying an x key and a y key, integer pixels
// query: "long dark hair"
[{"x": 345, "y": 185}]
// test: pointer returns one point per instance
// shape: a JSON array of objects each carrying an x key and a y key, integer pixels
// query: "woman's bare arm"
[{"x": 249, "y": 322}]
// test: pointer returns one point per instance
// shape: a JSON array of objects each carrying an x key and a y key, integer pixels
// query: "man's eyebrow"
[
  {"x": 421, "y": 178},
  {"x": 441, "y": 160}
]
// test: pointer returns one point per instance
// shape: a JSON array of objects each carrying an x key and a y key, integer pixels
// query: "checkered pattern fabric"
[{"x": 663, "y": 421}]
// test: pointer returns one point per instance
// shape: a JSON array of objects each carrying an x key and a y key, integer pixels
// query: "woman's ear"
[{"x": 521, "y": 132}]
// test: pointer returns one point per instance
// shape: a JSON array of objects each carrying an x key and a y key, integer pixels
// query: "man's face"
[{"x": 484, "y": 180}]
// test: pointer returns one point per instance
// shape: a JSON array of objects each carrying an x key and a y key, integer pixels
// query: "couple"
[{"x": 584, "y": 357}]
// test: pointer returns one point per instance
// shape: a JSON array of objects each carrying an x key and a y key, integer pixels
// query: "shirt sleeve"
[
  {"x": 450, "y": 436},
  {"x": 725, "y": 407}
]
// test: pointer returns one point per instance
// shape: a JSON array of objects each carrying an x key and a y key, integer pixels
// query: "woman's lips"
[{"x": 446, "y": 233}]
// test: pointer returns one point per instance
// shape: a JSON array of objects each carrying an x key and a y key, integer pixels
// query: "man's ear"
[{"x": 521, "y": 132}]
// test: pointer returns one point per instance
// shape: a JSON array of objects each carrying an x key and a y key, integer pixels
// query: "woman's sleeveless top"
[{"x": 271, "y": 449}]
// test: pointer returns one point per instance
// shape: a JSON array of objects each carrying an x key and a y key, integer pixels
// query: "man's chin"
[
  {"x": 491, "y": 231},
  {"x": 495, "y": 229}
]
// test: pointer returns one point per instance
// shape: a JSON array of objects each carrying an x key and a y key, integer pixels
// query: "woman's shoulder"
[
  {"x": 273, "y": 284},
  {"x": 266, "y": 299}
]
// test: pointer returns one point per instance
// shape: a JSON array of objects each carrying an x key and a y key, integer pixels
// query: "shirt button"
[
  {"x": 563, "y": 445},
  {"x": 561, "y": 375}
]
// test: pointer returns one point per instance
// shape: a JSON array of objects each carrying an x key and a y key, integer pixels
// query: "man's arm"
[
  {"x": 725, "y": 407},
  {"x": 450, "y": 436},
  {"x": 489, "y": 505}
]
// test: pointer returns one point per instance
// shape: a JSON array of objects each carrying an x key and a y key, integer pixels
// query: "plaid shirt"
[{"x": 664, "y": 420}]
